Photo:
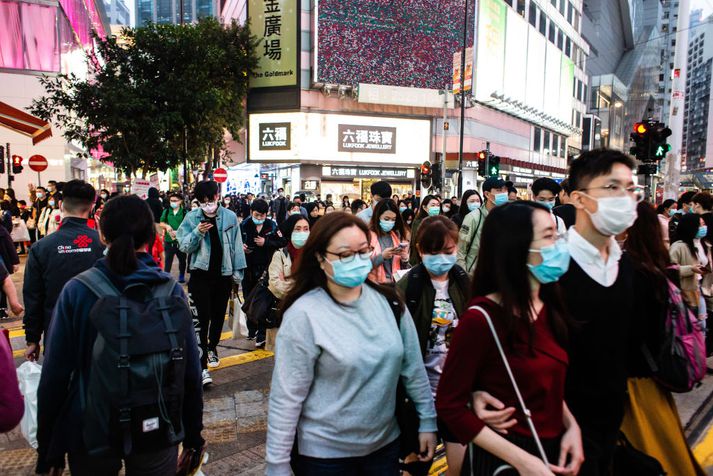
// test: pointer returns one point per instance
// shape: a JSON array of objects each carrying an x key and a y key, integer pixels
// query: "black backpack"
[{"x": 133, "y": 401}]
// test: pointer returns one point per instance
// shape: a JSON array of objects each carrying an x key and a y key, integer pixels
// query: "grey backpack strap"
[
  {"x": 164, "y": 289},
  {"x": 98, "y": 283}
]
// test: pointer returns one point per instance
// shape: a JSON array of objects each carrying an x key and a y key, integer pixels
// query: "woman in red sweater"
[{"x": 521, "y": 258}]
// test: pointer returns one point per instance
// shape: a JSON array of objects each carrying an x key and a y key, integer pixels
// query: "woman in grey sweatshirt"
[{"x": 339, "y": 356}]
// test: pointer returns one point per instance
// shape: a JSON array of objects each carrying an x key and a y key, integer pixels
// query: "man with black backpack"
[{"x": 171, "y": 219}]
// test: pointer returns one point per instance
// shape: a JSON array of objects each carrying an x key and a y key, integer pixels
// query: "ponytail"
[{"x": 122, "y": 255}]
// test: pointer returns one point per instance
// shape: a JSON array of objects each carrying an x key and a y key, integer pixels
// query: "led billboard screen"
[{"x": 407, "y": 43}]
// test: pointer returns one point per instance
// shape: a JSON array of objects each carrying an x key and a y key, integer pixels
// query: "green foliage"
[{"x": 163, "y": 83}]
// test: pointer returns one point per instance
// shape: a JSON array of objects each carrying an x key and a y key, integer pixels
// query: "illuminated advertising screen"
[{"x": 404, "y": 43}]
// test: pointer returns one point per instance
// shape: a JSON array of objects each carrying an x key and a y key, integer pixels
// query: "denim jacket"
[{"x": 197, "y": 244}]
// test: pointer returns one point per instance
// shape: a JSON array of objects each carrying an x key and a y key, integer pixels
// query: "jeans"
[
  {"x": 170, "y": 251},
  {"x": 250, "y": 280},
  {"x": 156, "y": 463},
  {"x": 210, "y": 298},
  {"x": 382, "y": 462}
]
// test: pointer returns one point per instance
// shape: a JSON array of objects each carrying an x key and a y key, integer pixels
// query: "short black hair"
[
  {"x": 177, "y": 195},
  {"x": 41, "y": 188},
  {"x": 356, "y": 205},
  {"x": 704, "y": 199},
  {"x": 280, "y": 189},
  {"x": 381, "y": 188},
  {"x": 595, "y": 163},
  {"x": 259, "y": 205},
  {"x": 686, "y": 198},
  {"x": 207, "y": 189},
  {"x": 565, "y": 186},
  {"x": 78, "y": 196},
  {"x": 545, "y": 183},
  {"x": 53, "y": 182}
]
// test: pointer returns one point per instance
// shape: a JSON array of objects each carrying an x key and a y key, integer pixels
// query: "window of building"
[
  {"x": 536, "y": 139},
  {"x": 584, "y": 93},
  {"x": 543, "y": 23},
  {"x": 555, "y": 145},
  {"x": 568, "y": 47},
  {"x": 551, "y": 35},
  {"x": 560, "y": 39},
  {"x": 546, "y": 141},
  {"x": 554, "y": 3},
  {"x": 533, "y": 14},
  {"x": 563, "y": 8},
  {"x": 570, "y": 13},
  {"x": 521, "y": 8}
]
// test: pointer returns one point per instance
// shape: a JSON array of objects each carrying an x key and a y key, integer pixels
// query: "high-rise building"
[
  {"x": 117, "y": 12},
  {"x": 697, "y": 135},
  {"x": 669, "y": 19},
  {"x": 169, "y": 11}
]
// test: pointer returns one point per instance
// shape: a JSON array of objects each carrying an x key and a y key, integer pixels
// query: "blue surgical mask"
[
  {"x": 353, "y": 273},
  {"x": 439, "y": 264},
  {"x": 555, "y": 262},
  {"x": 175, "y": 204},
  {"x": 548, "y": 203},
  {"x": 403, "y": 209},
  {"x": 473, "y": 206},
  {"x": 258, "y": 222},
  {"x": 500, "y": 198},
  {"x": 295, "y": 212},
  {"x": 672, "y": 212},
  {"x": 433, "y": 211},
  {"x": 702, "y": 232},
  {"x": 299, "y": 238},
  {"x": 386, "y": 225}
]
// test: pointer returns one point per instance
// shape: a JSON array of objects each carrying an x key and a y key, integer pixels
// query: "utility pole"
[
  {"x": 8, "y": 156},
  {"x": 462, "y": 100},
  {"x": 672, "y": 179},
  {"x": 443, "y": 148}
]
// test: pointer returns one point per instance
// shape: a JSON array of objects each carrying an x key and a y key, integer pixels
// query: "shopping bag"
[
  {"x": 237, "y": 321},
  {"x": 19, "y": 231},
  {"x": 28, "y": 374}
]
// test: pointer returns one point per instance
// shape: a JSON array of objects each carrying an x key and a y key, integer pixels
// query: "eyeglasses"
[
  {"x": 348, "y": 256},
  {"x": 613, "y": 190}
]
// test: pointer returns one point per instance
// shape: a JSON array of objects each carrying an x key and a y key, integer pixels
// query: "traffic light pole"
[
  {"x": 462, "y": 101},
  {"x": 8, "y": 154},
  {"x": 487, "y": 160}
]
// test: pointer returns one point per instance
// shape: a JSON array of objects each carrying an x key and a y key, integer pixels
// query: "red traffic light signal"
[
  {"x": 482, "y": 155},
  {"x": 426, "y": 168},
  {"x": 16, "y": 164},
  {"x": 641, "y": 128}
]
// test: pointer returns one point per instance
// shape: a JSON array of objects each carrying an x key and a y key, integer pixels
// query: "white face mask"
[
  {"x": 209, "y": 208},
  {"x": 614, "y": 214}
]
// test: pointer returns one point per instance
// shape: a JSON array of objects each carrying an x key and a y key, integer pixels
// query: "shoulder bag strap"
[
  {"x": 525, "y": 411},
  {"x": 475, "y": 235}
]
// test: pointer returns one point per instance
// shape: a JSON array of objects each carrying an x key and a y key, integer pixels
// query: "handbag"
[
  {"x": 506, "y": 468},
  {"x": 260, "y": 303},
  {"x": 628, "y": 460}
]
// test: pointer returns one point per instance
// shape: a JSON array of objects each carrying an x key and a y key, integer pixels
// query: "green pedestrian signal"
[{"x": 494, "y": 166}]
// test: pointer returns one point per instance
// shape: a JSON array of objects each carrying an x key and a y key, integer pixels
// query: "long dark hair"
[
  {"x": 387, "y": 205},
  {"x": 126, "y": 223},
  {"x": 502, "y": 268},
  {"x": 423, "y": 209},
  {"x": 308, "y": 274},
  {"x": 464, "y": 210},
  {"x": 687, "y": 230},
  {"x": 644, "y": 244}
]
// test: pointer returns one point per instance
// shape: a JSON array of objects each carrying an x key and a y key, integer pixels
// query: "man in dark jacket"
[
  {"x": 260, "y": 240},
  {"x": 279, "y": 207},
  {"x": 155, "y": 203},
  {"x": 56, "y": 259}
]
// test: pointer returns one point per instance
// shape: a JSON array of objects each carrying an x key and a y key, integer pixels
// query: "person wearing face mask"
[
  {"x": 664, "y": 212},
  {"x": 171, "y": 220},
  {"x": 343, "y": 341},
  {"x": 379, "y": 190},
  {"x": 51, "y": 216},
  {"x": 39, "y": 203},
  {"x": 407, "y": 216},
  {"x": 515, "y": 283},
  {"x": 389, "y": 241},
  {"x": 448, "y": 209},
  {"x": 210, "y": 235},
  {"x": 54, "y": 191},
  {"x": 278, "y": 206},
  {"x": 296, "y": 231},
  {"x": 436, "y": 292},
  {"x": 471, "y": 201},
  {"x": 430, "y": 206},
  {"x": 545, "y": 191},
  {"x": 685, "y": 206},
  {"x": 261, "y": 239},
  {"x": 692, "y": 253},
  {"x": 495, "y": 191}
]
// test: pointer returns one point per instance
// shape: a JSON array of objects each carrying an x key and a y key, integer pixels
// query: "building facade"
[
  {"x": 371, "y": 87},
  {"x": 47, "y": 38},
  {"x": 169, "y": 11}
]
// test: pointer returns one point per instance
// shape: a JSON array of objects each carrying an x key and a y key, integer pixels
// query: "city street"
[{"x": 235, "y": 412}]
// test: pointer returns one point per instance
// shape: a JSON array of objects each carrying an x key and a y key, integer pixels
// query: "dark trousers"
[
  {"x": 382, "y": 462},
  {"x": 210, "y": 298},
  {"x": 157, "y": 463},
  {"x": 599, "y": 446},
  {"x": 171, "y": 250},
  {"x": 250, "y": 280}
]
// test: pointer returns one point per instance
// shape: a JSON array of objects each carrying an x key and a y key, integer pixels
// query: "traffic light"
[
  {"x": 482, "y": 159},
  {"x": 426, "y": 173},
  {"x": 494, "y": 166},
  {"x": 650, "y": 139},
  {"x": 437, "y": 174},
  {"x": 641, "y": 139},
  {"x": 2, "y": 159},
  {"x": 16, "y": 164},
  {"x": 659, "y": 146}
]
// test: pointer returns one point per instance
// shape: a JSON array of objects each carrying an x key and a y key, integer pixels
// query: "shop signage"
[
  {"x": 310, "y": 185},
  {"x": 274, "y": 24},
  {"x": 366, "y": 172},
  {"x": 275, "y": 136},
  {"x": 374, "y": 139}
]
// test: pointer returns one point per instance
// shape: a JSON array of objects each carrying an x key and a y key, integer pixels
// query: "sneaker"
[
  {"x": 213, "y": 360},
  {"x": 260, "y": 344},
  {"x": 207, "y": 379},
  {"x": 181, "y": 279},
  {"x": 250, "y": 337}
]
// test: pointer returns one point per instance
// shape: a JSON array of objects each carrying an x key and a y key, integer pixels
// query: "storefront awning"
[{"x": 24, "y": 123}]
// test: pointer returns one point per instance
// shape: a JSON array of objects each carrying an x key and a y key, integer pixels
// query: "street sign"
[
  {"x": 38, "y": 163},
  {"x": 220, "y": 175}
]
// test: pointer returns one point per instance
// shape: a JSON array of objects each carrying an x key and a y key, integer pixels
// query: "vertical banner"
[
  {"x": 274, "y": 24},
  {"x": 492, "y": 18}
]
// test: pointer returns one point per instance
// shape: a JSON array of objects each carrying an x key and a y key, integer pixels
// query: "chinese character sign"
[
  {"x": 367, "y": 139},
  {"x": 275, "y": 136},
  {"x": 274, "y": 23}
]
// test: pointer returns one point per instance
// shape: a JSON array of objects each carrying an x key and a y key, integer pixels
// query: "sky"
[{"x": 705, "y": 5}]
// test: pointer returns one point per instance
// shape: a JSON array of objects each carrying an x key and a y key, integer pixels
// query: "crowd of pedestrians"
[{"x": 521, "y": 334}]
